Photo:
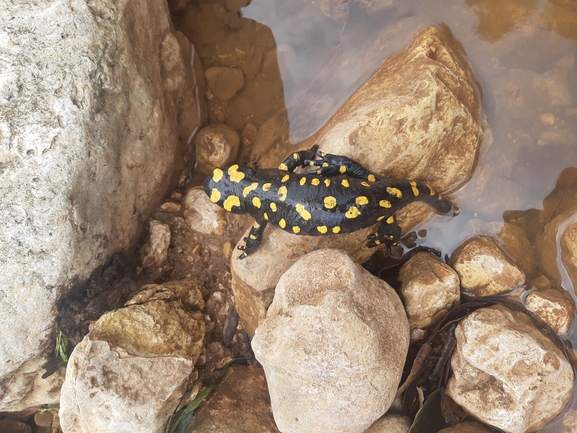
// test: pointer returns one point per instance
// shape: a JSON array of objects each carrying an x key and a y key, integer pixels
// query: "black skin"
[{"x": 338, "y": 196}]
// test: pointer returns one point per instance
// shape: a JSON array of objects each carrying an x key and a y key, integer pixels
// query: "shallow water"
[{"x": 524, "y": 56}]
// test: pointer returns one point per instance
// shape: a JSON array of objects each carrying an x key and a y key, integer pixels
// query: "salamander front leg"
[
  {"x": 389, "y": 234},
  {"x": 297, "y": 159},
  {"x": 252, "y": 242},
  {"x": 333, "y": 165}
]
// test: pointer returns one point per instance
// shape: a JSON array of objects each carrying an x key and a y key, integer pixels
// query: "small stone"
[
  {"x": 507, "y": 373},
  {"x": 248, "y": 134},
  {"x": 547, "y": 118},
  {"x": 170, "y": 206},
  {"x": 484, "y": 269},
  {"x": 428, "y": 287},
  {"x": 155, "y": 251},
  {"x": 201, "y": 214},
  {"x": 216, "y": 146},
  {"x": 224, "y": 82},
  {"x": 43, "y": 419},
  {"x": 390, "y": 423},
  {"x": 338, "y": 329},
  {"x": 13, "y": 425},
  {"x": 553, "y": 308}
]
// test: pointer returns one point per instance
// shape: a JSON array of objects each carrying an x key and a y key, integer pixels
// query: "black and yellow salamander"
[{"x": 338, "y": 196}]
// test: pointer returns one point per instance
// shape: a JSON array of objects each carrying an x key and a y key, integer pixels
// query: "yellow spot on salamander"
[
  {"x": 316, "y": 181},
  {"x": 296, "y": 229},
  {"x": 395, "y": 191},
  {"x": 231, "y": 200},
  {"x": 303, "y": 180},
  {"x": 273, "y": 206},
  {"x": 330, "y": 202},
  {"x": 217, "y": 174},
  {"x": 440, "y": 197},
  {"x": 345, "y": 183},
  {"x": 305, "y": 214},
  {"x": 390, "y": 219},
  {"x": 285, "y": 178},
  {"x": 256, "y": 202},
  {"x": 327, "y": 182},
  {"x": 266, "y": 186},
  {"x": 385, "y": 203},
  {"x": 295, "y": 156},
  {"x": 342, "y": 169},
  {"x": 361, "y": 200},
  {"x": 431, "y": 190},
  {"x": 377, "y": 242},
  {"x": 283, "y": 166},
  {"x": 414, "y": 188},
  {"x": 255, "y": 225},
  {"x": 382, "y": 217},
  {"x": 371, "y": 178},
  {"x": 282, "y": 223},
  {"x": 252, "y": 236},
  {"x": 353, "y": 212},
  {"x": 336, "y": 229},
  {"x": 365, "y": 184},
  {"x": 325, "y": 164},
  {"x": 322, "y": 229},
  {"x": 215, "y": 195},
  {"x": 282, "y": 191},
  {"x": 249, "y": 188},
  {"x": 234, "y": 174},
  {"x": 265, "y": 216}
]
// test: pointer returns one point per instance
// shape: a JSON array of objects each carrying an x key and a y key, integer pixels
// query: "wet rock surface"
[
  {"x": 555, "y": 308},
  {"x": 466, "y": 427},
  {"x": 332, "y": 331},
  {"x": 507, "y": 373},
  {"x": 91, "y": 140},
  {"x": 130, "y": 371},
  {"x": 485, "y": 269},
  {"x": 428, "y": 287},
  {"x": 216, "y": 146}
]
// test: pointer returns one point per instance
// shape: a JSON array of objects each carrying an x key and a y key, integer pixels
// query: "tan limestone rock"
[
  {"x": 390, "y": 423},
  {"x": 428, "y": 287},
  {"x": 507, "y": 373},
  {"x": 216, "y": 146},
  {"x": 485, "y": 269},
  {"x": 129, "y": 372},
  {"x": 333, "y": 345},
  {"x": 555, "y": 309}
]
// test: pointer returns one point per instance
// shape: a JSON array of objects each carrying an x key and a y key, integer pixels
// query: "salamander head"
[{"x": 225, "y": 187}]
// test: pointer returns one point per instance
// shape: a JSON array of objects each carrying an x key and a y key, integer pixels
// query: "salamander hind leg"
[
  {"x": 333, "y": 165},
  {"x": 389, "y": 234},
  {"x": 298, "y": 159},
  {"x": 252, "y": 242}
]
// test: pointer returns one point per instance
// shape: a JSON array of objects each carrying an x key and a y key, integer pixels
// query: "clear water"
[{"x": 523, "y": 53}]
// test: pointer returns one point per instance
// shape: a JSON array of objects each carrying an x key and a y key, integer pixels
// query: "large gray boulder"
[{"x": 96, "y": 107}]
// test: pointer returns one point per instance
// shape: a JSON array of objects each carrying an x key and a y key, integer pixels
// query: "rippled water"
[{"x": 523, "y": 53}]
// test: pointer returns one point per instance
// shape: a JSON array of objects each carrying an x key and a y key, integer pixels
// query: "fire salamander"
[{"x": 338, "y": 196}]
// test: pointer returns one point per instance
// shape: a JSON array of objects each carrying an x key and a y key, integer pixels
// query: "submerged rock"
[
  {"x": 94, "y": 119},
  {"x": 416, "y": 117},
  {"x": 507, "y": 373},
  {"x": 216, "y": 146},
  {"x": 485, "y": 269},
  {"x": 333, "y": 345},
  {"x": 129, "y": 372},
  {"x": 428, "y": 287}
]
